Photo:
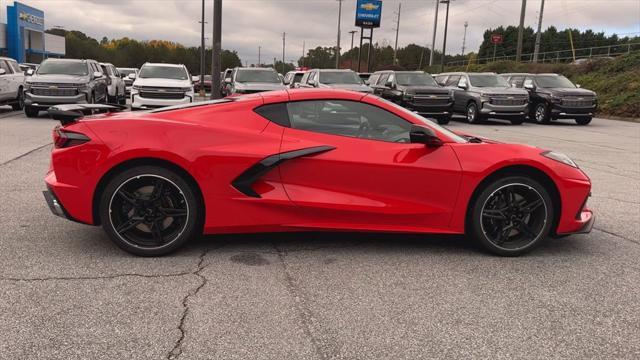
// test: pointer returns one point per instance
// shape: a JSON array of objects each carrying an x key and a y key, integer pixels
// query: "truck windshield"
[
  {"x": 554, "y": 82},
  {"x": 163, "y": 72},
  {"x": 339, "y": 77},
  {"x": 487, "y": 80},
  {"x": 63, "y": 68},
  {"x": 263, "y": 76},
  {"x": 413, "y": 79},
  {"x": 126, "y": 72}
]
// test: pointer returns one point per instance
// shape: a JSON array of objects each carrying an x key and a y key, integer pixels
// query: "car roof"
[
  {"x": 163, "y": 64},
  {"x": 512, "y": 74},
  {"x": 255, "y": 68},
  {"x": 69, "y": 60},
  {"x": 335, "y": 70},
  {"x": 466, "y": 73}
]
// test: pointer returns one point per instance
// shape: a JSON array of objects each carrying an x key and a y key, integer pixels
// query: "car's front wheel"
[
  {"x": 19, "y": 104},
  {"x": 541, "y": 113},
  {"x": 511, "y": 215},
  {"x": 473, "y": 115},
  {"x": 149, "y": 211}
]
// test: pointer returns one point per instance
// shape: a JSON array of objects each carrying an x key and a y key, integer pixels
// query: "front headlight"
[
  {"x": 560, "y": 157},
  {"x": 407, "y": 96},
  {"x": 189, "y": 88},
  {"x": 135, "y": 87}
]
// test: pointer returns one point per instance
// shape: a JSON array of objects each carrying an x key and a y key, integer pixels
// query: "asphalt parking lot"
[{"x": 69, "y": 293}]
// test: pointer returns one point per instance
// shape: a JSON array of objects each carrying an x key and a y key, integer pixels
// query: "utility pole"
[
  {"x": 303, "y": 54},
  {"x": 444, "y": 42},
  {"x": 536, "y": 50},
  {"x": 464, "y": 38},
  {"x": 395, "y": 48},
  {"x": 352, "y": 32},
  {"x": 259, "y": 48},
  {"x": 433, "y": 39},
  {"x": 284, "y": 35},
  {"x": 338, "y": 42},
  {"x": 202, "y": 59},
  {"x": 216, "y": 51},
  {"x": 523, "y": 9}
]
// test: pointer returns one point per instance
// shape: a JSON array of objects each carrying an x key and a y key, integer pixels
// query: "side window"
[
  {"x": 453, "y": 80},
  {"x": 314, "y": 76},
  {"x": 383, "y": 79},
  {"x": 528, "y": 81},
  {"x": 14, "y": 65},
  {"x": 441, "y": 79},
  {"x": 348, "y": 118},
  {"x": 276, "y": 113},
  {"x": 304, "y": 79},
  {"x": 392, "y": 77},
  {"x": 114, "y": 71},
  {"x": 3, "y": 65}
]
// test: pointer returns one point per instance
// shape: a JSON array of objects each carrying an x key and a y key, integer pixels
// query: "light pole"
[
  {"x": 395, "y": 48},
  {"x": 352, "y": 32},
  {"x": 216, "y": 51},
  {"x": 523, "y": 10},
  {"x": 444, "y": 42},
  {"x": 435, "y": 29},
  {"x": 284, "y": 35},
  {"x": 338, "y": 42},
  {"x": 536, "y": 50},
  {"x": 202, "y": 93},
  {"x": 259, "y": 48},
  {"x": 464, "y": 38}
]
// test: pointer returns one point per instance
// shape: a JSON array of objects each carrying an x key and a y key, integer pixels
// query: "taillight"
[{"x": 64, "y": 139}]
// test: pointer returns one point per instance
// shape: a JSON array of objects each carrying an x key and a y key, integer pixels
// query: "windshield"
[
  {"x": 339, "y": 77},
  {"x": 263, "y": 76},
  {"x": 413, "y": 79},
  {"x": 450, "y": 134},
  {"x": 126, "y": 72},
  {"x": 554, "y": 82},
  {"x": 163, "y": 72},
  {"x": 207, "y": 78},
  {"x": 63, "y": 68},
  {"x": 487, "y": 80}
]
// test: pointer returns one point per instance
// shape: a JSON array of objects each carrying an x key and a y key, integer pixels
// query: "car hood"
[
  {"x": 259, "y": 86},
  {"x": 571, "y": 92},
  {"x": 424, "y": 89},
  {"x": 503, "y": 90},
  {"x": 59, "y": 79},
  {"x": 352, "y": 87},
  {"x": 157, "y": 82}
]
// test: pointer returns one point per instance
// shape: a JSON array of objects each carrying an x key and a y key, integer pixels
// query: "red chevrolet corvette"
[{"x": 303, "y": 160}]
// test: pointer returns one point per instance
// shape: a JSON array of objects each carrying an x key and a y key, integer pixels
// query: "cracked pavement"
[{"x": 69, "y": 293}]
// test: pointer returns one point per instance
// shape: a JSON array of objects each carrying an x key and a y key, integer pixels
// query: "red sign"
[{"x": 496, "y": 38}]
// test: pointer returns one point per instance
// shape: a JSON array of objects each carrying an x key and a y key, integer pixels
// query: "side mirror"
[
  {"x": 311, "y": 82},
  {"x": 389, "y": 84},
  {"x": 366, "y": 82},
  {"x": 424, "y": 135},
  {"x": 132, "y": 76},
  {"x": 529, "y": 86},
  {"x": 578, "y": 86},
  {"x": 462, "y": 84},
  {"x": 30, "y": 72},
  {"x": 227, "y": 81},
  {"x": 3, "y": 71},
  {"x": 97, "y": 75}
]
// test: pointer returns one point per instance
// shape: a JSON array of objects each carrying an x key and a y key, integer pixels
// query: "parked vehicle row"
[
  {"x": 125, "y": 73},
  {"x": 11, "y": 83}
]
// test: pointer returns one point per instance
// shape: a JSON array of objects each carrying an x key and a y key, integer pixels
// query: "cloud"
[{"x": 248, "y": 24}]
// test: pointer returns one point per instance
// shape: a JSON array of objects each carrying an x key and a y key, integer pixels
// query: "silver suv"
[
  {"x": 115, "y": 84},
  {"x": 11, "y": 83},
  {"x": 479, "y": 96},
  {"x": 334, "y": 79},
  {"x": 64, "y": 81}
]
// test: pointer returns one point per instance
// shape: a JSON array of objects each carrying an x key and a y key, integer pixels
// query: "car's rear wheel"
[
  {"x": 541, "y": 113},
  {"x": 31, "y": 111},
  {"x": 19, "y": 104},
  {"x": 149, "y": 211},
  {"x": 512, "y": 215},
  {"x": 585, "y": 120}
]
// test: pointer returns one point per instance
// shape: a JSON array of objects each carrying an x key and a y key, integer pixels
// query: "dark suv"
[
  {"x": 553, "y": 97},
  {"x": 483, "y": 95},
  {"x": 416, "y": 91},
  {"x": 64, "y": 81}
]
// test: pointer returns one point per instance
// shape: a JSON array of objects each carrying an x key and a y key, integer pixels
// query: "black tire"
[
  {"x": 444, "y": 120},
  {"x": 516, "y": 121},
  {"x": 31, "y": 111},
  {"x": 541, "y": 114},
  {"x": 149, "y": 211},
  {"x": 19, "y": 104},
  {"x": 511, "y": 225},
  {"x": 473, "y": 116},
  {"x": 584, "y": 120}
]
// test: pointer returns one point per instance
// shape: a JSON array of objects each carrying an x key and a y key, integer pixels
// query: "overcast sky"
[{"x": 247, "y": 24}]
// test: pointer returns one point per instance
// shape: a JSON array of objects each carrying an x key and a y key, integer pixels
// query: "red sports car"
[{"x": 303, "y": 160}]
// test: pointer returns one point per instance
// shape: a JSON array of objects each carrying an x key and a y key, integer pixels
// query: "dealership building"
[{"x": 22, "y": 37}]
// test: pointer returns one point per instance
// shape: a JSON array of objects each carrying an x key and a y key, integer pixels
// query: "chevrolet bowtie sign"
[
  {"x": 368, "y": 13},
  {"x": 30, "y": 18}
]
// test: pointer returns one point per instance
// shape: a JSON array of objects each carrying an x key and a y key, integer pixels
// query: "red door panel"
[{"x": 370, "y": 184}]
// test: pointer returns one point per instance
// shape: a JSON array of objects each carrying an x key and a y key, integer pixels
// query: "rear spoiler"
[{"x": 70, "y": 113}]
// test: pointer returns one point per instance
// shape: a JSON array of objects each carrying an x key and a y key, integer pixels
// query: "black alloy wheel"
[
  {"x": 149, "y": 211},
  {"x": 512, "y": 215}
]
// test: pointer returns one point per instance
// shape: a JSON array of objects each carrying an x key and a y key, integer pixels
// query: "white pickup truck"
[
  {"x": 11, "y": 83},
  {"x": 158, "y": 85}
]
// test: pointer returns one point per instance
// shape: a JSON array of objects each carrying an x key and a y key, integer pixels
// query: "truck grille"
[
  {"x": 433, "y": 101},
  {"x": 577, "y": 103},
  {"x": 504, "y": 101},
  {"x": 54, "y": 91},
  {"x": 162, "y": 94}
]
